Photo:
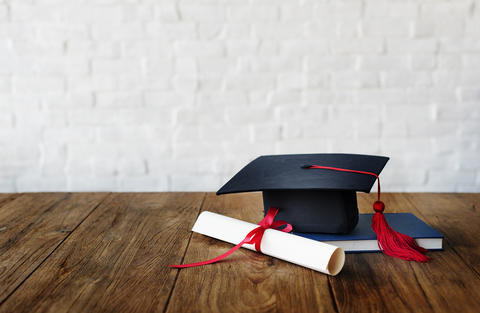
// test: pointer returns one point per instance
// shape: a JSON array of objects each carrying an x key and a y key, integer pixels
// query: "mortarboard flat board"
[{"x": 321, "y": 201}]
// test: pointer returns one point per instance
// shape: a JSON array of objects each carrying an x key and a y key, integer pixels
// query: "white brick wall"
[{"x": 179, "y": 95}]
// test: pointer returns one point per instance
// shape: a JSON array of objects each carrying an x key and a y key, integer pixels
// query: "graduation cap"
[
  {"x": 317, "y": 193},
  {"x": 310, "y": 200}
]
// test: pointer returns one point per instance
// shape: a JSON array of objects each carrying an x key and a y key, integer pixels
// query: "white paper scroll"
[{"x": 313, "y": 254}]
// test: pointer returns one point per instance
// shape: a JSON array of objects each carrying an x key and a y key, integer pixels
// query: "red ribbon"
[{"x": 253, "y": 237}]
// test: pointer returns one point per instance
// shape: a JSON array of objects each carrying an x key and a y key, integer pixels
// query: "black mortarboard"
[{"x": 311, "y": 200}]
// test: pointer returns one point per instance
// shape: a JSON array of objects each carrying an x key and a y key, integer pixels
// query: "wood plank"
[
  {"x": 376, "y": 282},
  {"x": 247, "y": 281},
  {"x": 458, "y": 217},
  {"x": 116, "y": 260},
  {"x": 32, "y": 226},
  {"x": 7, "y": 197}
]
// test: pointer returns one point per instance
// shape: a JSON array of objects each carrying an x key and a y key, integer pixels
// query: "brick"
[
  {"x": 288, "y": 81},
  {"x": 67, "y": 135},
  {"x": 441, "y": 9},
  {"x": 331, "y": 28},
  {"x": 171, "y": 31},
  {"x": 201, "y": 12},
  {"x": 301, "y": 12},
  {"x": 3, "y": 12},
  {"x": 231, "y": 132},
  {"x": 125, "y": 66},
  {"x": 61, "y": 31},
  {"x": 195, "y": 116},
  {"x": 119, "y": 99},
  {"x": 10, "y": 102},
  {"x": 469, "y": 95},
  {"x": 233, "y": 31},
  {"x": 364, "y": 45},
  {"x": 216, "y": 65},
  {"x": 411, "y": 46},
  {"x": 416, "y": 113},
  {"x": 430, "y": 26},
  {"x": 266, "y": 133},
  {"x": 185, "y": 83},
  {"x": 210, "y": 81},
  {"x": 471, "y": 60},
  {"x": 390, "y": 9},
  {"x": 36, "y": 48},
  {"x": 24, "y": 13},
  {"x": 337, "y": 62},
  {"x": 158, "y": 65},
  {"x": 168, "y": 98},
  {"x": 304, "y": 47},
  {"x": 166, "y": 12},
  {"x": 383, "y": 62},
  {"x": 93, "y": 13},
  {"x": 91, "y": 183},
  {"x": 472, "y": 26},
  {"x": 200, "y": 182},
  {"x": 250, "y": 81},
  {"x": 199, "y": 48},
  {"x": 31, "y": 183},
  {"x": 5, "y": 84},
  {"x": 423, "y": 62},
  {"x": 469, "y": 77},
  {"x": 337, "y": 8},
  {"x": 285, "y": 97},
  {"x": 458, "y": 45},
  {"x": 281, "y": 31},
  {"x": 320, "y": 80},
  {"x": 89, "y": 48},
  {"x": 222, "y": 99},
  {"x": 275, "y": 63},
  {"x": 355, "y": 79},
  {"x": 257, "y": 12},
  {"x": 241, "y": 48},
  {"x": 117, "y": 31},
  {"x": 46, "y": 84},
  {"x": 137, "y": 12},
  {"x": 392, "y": 27},
  {"x": 405, "y": 79},
  {"x": 147, "y": 48},
  {"x": 239, "y": 116},
  {"x": 73, "y": 65},
  {"x": 88, "y": 83},
  {"x": 396, "y": 97}
]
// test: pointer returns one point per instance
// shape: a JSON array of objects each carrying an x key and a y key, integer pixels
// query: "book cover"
[{"x": 363, "y": 239}]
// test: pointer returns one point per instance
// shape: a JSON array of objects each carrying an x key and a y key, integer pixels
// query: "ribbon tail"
[{"x": 218, "y": 258}]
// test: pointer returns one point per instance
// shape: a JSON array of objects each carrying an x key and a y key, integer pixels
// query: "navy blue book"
[{"x": 363, "y": 239}]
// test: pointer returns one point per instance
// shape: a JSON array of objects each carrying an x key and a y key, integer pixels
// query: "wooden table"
[{"x": 109, "y": 252}]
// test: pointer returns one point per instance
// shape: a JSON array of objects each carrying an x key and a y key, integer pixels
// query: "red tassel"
[
  {"x": 389, "y": 241},
  {"x": 393, "y": 243}
]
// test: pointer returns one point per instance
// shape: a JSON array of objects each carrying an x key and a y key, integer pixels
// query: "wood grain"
[
  {"x": 374, "y": 282},
  {"x": 32, "y": 226},
  {"x": 458, "y": 217},
  {"x": 92, "y": 252},
  {"x": 247, "y": 281},
  {"x": 7, "y": 197},
  {"x": 117, "y": 258}
]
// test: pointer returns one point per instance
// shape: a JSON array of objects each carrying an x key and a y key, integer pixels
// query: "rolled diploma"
[{"x": 306, "y": 252}]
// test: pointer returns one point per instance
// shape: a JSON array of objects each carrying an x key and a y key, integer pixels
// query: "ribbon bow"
[{"x": 253, "y": 237}]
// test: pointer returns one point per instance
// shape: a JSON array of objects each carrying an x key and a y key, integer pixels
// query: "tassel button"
[{"x": 378, "y": 206}]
